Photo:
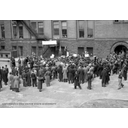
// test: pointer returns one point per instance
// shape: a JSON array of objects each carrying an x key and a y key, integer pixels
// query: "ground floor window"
[
  {"x": 14, "y": 47},
  {"x": 33, "y": 49},
  {"x": 80, "y": 50},
  {"x": 2, "y": 47},
  {"x": 90, "y": 50},
  {"x": 39, "y": 51},
  {"x": 20, "y": 50}
]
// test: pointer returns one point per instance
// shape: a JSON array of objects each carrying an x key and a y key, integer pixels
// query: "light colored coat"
[
  {"x": 16, "y": 82},
  {"x": 64, "y": 72}
]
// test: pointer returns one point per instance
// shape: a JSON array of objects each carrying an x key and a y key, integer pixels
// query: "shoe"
[{"x": 119, "y": 88}]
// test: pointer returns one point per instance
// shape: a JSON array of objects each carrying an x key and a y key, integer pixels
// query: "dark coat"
[
  {"x": 104, "y": 77},
  {"x": 28, "y": 78},
  {"x": 40, "y": 82},
  {"x": 24, "y": 76},
  {"x": 89, "y": 79},
  {"x": 4, "y": 76},
  {"x": 81, "y": 74},
  {"x": 0, "y": 78},
  {"x": 76, "y": 81},
  {"x": 60, "y": 72}
]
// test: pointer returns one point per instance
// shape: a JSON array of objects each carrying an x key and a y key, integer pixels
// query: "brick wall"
[
  {"x": 106, "y": 29},
  {"x": 7, "y": 29},
  {"x": 71, "y": 29},
  {"x": 47, "y": 28}
]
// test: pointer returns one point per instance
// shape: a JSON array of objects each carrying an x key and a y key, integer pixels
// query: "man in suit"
[
  {"x": 4, "y": 75},
  {"x": 7, "y": 71},
  {"x": 76, "y": 80},
  {"x": 81, "y": 74},
  {"x": 34, "y": 79}
]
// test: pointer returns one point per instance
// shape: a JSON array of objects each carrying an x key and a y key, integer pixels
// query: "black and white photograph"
[{"x": 63, "y": 63}]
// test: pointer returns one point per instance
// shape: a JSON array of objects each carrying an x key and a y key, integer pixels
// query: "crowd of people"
[{"x": 34, "y": 71}]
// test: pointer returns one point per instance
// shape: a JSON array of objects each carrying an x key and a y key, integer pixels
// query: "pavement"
[{"x": 63, "y": 95}]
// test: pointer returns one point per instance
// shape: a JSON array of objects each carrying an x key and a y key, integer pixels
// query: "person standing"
[
  {"x": 19, "y": 62},
  {"x": 4, "y": 75},
  {"x": 65, "y": 73},
  {"x": 7, "y": 71},
  {"x": 76, "y": 80},
  {"x": 40, "y": 80},
  {"x": 11, "y": 81},
  {"x": 89, "y": 79},
  {"x": 120, "y": 84},
  {"x": 60, "y": 73},
  {"x": 69, "y": 74},
  {"x": 24, "y": 77},
  {"x": 47, "y": 78},
  {"x": 124, "y": 71},
  {"x": 28, "y": 78},
  {"x": 81, "y": 74},
  {"x": 0, "y": 79},
  {"x": 104, "y": 77},
  {"x": 17, "y": 83},
  {"x": 34, "y": 79}
]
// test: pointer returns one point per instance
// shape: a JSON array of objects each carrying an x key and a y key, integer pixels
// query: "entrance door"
[
  {"x": 53, "y": 50},
  {"x": 80, "y": 50}
]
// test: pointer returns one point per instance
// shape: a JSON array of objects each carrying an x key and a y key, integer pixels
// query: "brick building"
[{"x": 99, "y": 37}]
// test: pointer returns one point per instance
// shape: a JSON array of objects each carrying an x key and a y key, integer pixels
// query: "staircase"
[
  {"x": 32, "y": 31},
  {"x": 46, "y": 49}
]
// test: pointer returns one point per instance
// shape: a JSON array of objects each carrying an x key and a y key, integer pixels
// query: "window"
[
  {"x": 90, "y": 29},
  {"x": 90, "y": 51},
  {"x": 80, "y": 50},
  {"x": 34, "y": 49},
  {"x": 55, "y": 28},
  {"x": 14, "y": 27},
  {"x": 14, "y": 48},
  {"x": 20, "y": 48},
  {"x": 33, "y": 24},
  {"x": 81, "y": 29},
  {"x": 64, "y": 29},
  {"x": 2, "y": 47},
  {"x": 41, "y": 28},
  {"x": 20, "y": 31},
  {"x": 2, "y": 31},
  {"x": 39, "y": 51}
]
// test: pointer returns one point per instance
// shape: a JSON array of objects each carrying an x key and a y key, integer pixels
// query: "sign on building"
[{"x": 53, "y": 42}]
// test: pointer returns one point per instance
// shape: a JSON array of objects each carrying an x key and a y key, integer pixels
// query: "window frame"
[{"x": 64, "y": 29}]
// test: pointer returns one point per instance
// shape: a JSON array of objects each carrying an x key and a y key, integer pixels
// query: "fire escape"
[{"x": 38, "y": 37}]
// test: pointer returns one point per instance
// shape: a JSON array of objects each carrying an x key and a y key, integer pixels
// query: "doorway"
[{"x": 120, "y": 48}]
